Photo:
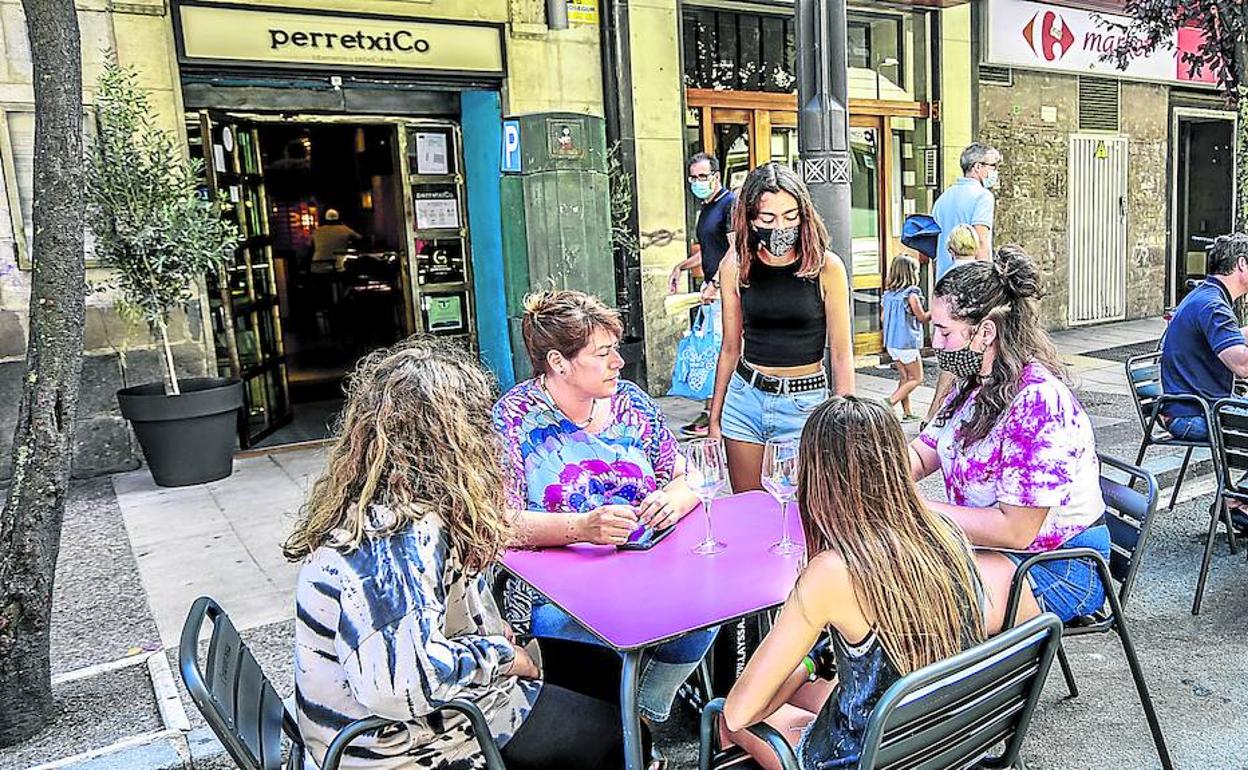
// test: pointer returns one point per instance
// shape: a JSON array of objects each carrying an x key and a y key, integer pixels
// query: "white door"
[{"x": 1097, "y": 222}]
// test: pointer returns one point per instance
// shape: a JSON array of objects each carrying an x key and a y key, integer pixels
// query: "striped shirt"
[{"x": 396, "y": 628}]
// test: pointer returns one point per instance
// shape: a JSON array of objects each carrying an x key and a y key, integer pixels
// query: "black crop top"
[{"x": 782, "y": 316}]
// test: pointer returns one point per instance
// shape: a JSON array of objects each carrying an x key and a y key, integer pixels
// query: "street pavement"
[{"x": 223, "y": 540}]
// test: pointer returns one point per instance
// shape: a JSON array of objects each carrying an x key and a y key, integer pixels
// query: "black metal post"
[{"x": 823, "y": 116}]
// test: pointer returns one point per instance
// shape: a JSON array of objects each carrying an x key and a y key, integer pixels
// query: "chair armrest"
[
  {"x": 1020, "y": 575},
  {"x": 763, "y": 731},
  {"x": 480, "y": 728},
  {"x": 1180, "y": 398}
]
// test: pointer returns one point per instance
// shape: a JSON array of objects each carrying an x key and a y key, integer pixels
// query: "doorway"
[
  {"x": 1204, "y": 190},
  {"x": 319, "y": 278},
  {"x": 1097, "y": 228}
]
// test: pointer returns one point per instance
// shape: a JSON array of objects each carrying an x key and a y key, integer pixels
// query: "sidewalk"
[{"x": 224, "y": 540}]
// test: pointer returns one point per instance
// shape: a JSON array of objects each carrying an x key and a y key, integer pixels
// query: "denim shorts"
[
  {"x": 755, "y": 417},
  {"x": 1069, "y": 588}
]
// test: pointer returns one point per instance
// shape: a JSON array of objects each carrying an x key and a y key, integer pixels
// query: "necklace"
[{"x": 593, "y": 406}]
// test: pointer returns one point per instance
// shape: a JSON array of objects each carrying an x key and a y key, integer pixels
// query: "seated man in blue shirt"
[{"x": 1204, "y": 348}]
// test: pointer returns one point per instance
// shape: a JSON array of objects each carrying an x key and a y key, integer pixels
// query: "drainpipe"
[{"x": 617, "y": 86}]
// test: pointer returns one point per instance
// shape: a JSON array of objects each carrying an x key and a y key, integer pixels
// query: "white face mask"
[{"x": 991, "y": 180}]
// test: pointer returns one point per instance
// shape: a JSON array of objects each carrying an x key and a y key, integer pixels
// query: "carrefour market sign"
[
  {"x": 1041, "y": 36},
  {"x": 253, "y": 37}
]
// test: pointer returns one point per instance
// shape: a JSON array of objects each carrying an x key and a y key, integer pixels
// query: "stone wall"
[
  {"x": 117, "y": 353},
  {"x": 1032, "y": 203}
]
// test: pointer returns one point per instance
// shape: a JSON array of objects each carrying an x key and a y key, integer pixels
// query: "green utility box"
[{"x": 556, "y": 207}]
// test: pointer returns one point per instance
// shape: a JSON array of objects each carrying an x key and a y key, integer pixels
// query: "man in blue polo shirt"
[
  {"x": 1204, "y": 348},
  {"x": 714, "y": 231},
  {"x": 968, "y": 201}
]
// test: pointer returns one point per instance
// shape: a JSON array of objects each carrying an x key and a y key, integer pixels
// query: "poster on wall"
[
  {"x": 1043, "y": 36},
  {"x": 431, "y": 154},
  {"x": 436, "y": 210},
  {"x": 583, "y": 12}
]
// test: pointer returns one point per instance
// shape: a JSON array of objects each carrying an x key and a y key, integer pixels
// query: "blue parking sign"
[{"x": 511, "y": 147}]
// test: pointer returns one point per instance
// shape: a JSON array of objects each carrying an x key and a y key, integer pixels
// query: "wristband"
[{"x": 810, "y": 669}]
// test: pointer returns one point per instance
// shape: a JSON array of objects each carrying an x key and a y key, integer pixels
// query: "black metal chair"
[
  {"x": 1144, "y": 376},
  {"x": 947, "y": 715},
  {"x": 242, "y": 708},
  {"x": 1129, "y": 516},
  {"x": 1229, "y": 429}
]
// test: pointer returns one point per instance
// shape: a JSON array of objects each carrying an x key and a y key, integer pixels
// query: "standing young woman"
[{"x": 785, "y": 302}]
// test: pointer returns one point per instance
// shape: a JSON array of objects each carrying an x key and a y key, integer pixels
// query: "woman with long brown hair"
[
  {"x": 1014, "y": 444},
  {"x": 785, "y": 304},
  {"x": 893, "y": 586},
  {"x": 394, "y": 616}
]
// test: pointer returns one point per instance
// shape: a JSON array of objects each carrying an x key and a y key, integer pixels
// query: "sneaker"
[
  {"x": 911, "y": 418},
  {"x": 700, "y": 427}
]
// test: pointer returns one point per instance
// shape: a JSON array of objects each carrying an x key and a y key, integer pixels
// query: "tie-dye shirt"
[
  {"x": 1041, "y": 453},
  {"x": 558, "y": 467},
  {"x": 395, "y": 628}
]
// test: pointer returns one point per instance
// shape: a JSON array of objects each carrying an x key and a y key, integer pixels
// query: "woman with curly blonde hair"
[{"x": 394, "y": 614}]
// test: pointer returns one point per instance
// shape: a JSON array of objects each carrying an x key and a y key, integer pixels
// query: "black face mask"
[
  {"x": 964, "y": 363},
  {"x": 778, "y": 241}
]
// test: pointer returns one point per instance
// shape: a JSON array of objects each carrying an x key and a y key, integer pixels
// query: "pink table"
[{"x": 632, "y": 600}]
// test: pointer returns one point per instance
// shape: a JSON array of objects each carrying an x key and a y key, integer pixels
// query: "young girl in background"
[
  {"x": 963, "y": 245},
  {"x": 903, "y": 330}
]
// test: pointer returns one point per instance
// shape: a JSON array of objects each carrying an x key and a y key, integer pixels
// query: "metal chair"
[
  {"x": 1129, "y": 516},
  {"x": 242, "y": 708},
  {"x": 1229, "y": 430},
  {"x": 947, "y": 715},
  {"x": 1144, "y": 376}
]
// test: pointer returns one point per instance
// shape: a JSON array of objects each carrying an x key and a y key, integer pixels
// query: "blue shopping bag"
[{"x": 696, "y": 357}]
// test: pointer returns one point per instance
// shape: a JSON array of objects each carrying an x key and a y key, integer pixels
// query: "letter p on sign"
[{"x": 511, "y": 147}]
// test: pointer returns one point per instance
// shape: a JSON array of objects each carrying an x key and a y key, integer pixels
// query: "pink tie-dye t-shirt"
[{"x": 1041, "y": 453}]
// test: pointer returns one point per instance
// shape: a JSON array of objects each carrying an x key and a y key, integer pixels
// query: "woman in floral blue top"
[{"x": 591, "y": 460}]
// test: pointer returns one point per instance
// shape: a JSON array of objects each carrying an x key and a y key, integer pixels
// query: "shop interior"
[
  {"x": 1205, "y": 187},
  {"x": 336, "y": 222}
]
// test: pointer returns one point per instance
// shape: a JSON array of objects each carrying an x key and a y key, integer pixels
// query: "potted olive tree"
[{"x": 159, "y": 236}]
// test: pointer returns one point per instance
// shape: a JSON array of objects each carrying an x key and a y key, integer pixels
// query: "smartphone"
[{"x": 645, "y": 537}]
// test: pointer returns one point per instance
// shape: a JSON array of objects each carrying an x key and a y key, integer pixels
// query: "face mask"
[
  {"x": 779, "y": 241},
  {"x": 991, "y": 180},
  {"x": 964, "y": 363},
  {"x": 701, "y": 190}
]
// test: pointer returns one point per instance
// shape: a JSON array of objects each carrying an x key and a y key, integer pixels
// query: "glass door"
[
  {"x": 867, "y": 224},
  {"x": 242, "y": 296}
]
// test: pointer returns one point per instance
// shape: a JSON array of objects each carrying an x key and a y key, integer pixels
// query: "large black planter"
[{"x": 186, "y": 439}]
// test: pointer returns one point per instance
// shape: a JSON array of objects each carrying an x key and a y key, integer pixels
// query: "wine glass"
[
  {"x": 706, "y": 473},
  {"x": 780, "y": 479}
]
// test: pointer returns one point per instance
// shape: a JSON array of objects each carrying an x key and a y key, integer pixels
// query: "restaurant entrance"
[{"x": 352, "y": 239}]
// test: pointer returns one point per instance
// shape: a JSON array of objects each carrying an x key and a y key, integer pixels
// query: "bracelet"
[{"x": 810, "y": 669}]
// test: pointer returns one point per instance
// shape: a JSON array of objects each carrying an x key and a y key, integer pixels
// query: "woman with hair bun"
[{"x": 1015, "y": 445}]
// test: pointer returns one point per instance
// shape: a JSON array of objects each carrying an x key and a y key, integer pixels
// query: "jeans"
[
  {"x": 663, "y": 668},
  {"x": 1189, "y": 428},
  {"x": 567, "y": 731},
  {"x": 1069, "y": 588}
]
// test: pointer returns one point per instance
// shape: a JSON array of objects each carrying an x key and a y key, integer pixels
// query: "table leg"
[{"x": 633, "y": 759}]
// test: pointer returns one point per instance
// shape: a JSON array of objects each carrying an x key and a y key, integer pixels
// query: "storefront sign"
[
  {"x": 1041, "y": 36},
  {"x": 252, "y": 37}
]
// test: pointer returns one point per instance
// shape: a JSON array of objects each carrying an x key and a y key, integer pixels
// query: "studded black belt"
[{"x": 781, "y": 385}]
